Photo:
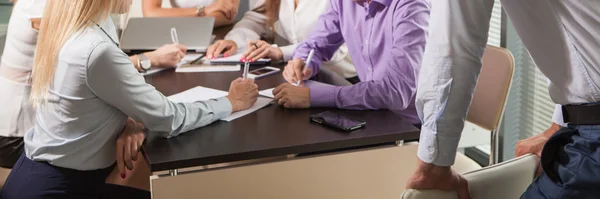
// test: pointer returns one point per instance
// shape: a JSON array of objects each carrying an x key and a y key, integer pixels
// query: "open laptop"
[{"x": 146, "y": 34}]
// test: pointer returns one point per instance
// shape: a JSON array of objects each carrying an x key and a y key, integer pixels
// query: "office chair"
[{"x": 506, "y": 180}]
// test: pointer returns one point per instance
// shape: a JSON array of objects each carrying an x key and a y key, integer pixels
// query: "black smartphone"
[{"x": 337, "y": 121}]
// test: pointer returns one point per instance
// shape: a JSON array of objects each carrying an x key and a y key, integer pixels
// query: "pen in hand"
[
  {"x": 174, "y": 36},
  {"x": 246, "y": 68},
  {"x": 308, "y": 59}
]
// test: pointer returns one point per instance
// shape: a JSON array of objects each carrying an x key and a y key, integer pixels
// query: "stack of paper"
[{"x": 202, "y": 94}]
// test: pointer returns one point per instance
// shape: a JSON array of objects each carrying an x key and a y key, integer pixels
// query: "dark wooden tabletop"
[{"x": 269, "y": 132}]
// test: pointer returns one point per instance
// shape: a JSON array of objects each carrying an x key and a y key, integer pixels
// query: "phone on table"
[
  {"x": 337, "y": 121},
  {"x": 262, "y": 72}
]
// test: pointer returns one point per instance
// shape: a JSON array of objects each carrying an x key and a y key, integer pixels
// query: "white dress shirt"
[
  {"x": 95, "y": 88},
  {"x": 293, "y": 26},
  {"x": 190, "y": 3},
  {"x": 17, "y": 115},
  {"x": 562, "y": 36}
]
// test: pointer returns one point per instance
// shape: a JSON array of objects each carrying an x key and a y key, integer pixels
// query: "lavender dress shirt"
[{"x": 386, "y": 41}]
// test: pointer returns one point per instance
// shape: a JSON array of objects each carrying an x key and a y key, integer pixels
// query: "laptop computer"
[{"x": 147, "y": 34}]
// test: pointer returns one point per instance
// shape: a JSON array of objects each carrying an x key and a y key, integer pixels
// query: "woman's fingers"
[{"x": 127, "y": 154}]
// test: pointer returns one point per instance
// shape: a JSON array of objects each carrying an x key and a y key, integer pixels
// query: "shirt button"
[{"x": 370, "y": 69}]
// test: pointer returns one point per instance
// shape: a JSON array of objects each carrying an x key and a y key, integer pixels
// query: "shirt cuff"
[
  {"x": 322, "y": 95},
  {"x": 557, "y": 118},
  {"x": 221, "y": 107},
  {"x": 436, "y": 149},
  {"x": 288, "y": 52}
]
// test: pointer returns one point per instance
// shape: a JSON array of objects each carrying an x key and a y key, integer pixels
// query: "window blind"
[
  {"x": 495, "y": 33},
  {"x": 529, "y": 107}
]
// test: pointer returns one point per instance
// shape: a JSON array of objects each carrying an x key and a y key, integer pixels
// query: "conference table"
[
  {"x": 269, "y": 132},
  {"x": 272, "y": 131}
]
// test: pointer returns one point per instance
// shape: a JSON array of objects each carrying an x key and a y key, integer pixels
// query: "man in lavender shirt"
[{"x": 386, "y": 41}]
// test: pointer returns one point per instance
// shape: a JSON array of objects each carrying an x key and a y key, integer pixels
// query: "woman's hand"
[
  {"x": 261, "y": 49},
  {"x": 167, "y": 56},
  {"x": 129, "y": 144},
  {"x": 227, "y": 7},
  {"x": 242, "y": 94},
  {"x": 225, "y": 47}
]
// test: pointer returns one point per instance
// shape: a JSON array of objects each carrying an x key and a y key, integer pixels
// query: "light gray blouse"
[{"x": 95, "y": 89}]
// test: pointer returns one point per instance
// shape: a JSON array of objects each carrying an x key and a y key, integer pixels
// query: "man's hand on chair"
[
  {"x": 428, "y": 176},
  {"x": 536, "y": 143}
]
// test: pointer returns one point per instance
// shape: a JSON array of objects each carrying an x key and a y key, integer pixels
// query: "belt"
[{"x": 584, "y": 114}]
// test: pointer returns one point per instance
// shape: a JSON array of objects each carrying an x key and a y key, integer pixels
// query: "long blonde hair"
[{"x": 60, "y": 21}]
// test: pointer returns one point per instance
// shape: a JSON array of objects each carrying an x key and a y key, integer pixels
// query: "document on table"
[
  {"x": 187, "y": 58},
  {"x": 200, "y": 93},
  {"x": 154, "y": 71},
  {"x": 267, "y": 93},
  {"x": 260, "y": 103},
  {"x": 199, "y": 68},
  {"x": 187, "y": 65},
  {"x": 234, "y": 59}
]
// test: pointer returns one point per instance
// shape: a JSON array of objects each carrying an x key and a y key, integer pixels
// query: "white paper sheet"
[
  {"x": 187, "y": 58},
  {"x": 234, "y": 58},
  {"x": 200, "y": 93},
  {"x": 154, "y": 71},
  {"x": 260, "y": 103},
  {"x": 186, "y": 68},
  {"x": 267, "y": 93}
]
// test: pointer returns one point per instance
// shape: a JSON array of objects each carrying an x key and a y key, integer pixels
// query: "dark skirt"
[{"x": 36, "y": 180}]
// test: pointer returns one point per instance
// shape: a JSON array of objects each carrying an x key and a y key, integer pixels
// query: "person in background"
[
  {"x": 224, "y": 11},
  {"x": 284, "y": 24},
  {"x": 84, "y": 89},
  {"x": 386, "y": 40},
  {"x": 563, "y": 38},
  {"x": 15, "y": 71}
]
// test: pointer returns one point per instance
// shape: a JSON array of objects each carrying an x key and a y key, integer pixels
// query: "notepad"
[
  {"x": 186, "y": 59},
  {"x": 152, "y": 71},
  {"x": 199, "y": 68},
  {"x": 200, "y": 93},
  {"x": 267, "y": 93},
  {"x": 234, "y": 59},
  {"x": 192, "y": 64}
]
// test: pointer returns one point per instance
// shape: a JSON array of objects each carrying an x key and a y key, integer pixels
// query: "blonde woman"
[
  {"x": 284, "y": 24},
  {"x": 16, "y": 63},
  {"x": 224, "y": 11},
  {"x": 84, "y": 88}
]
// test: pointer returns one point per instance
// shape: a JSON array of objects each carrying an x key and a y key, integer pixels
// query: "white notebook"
[
  {"x": 234, "y": 59},
  {"x": 194, "y": 68},
  {"x": 187, "y": 65}
]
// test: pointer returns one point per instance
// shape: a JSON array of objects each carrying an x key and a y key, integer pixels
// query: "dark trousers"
[
  {"x": 571, "y": 165},
  {"x": 40, "y": 180}
]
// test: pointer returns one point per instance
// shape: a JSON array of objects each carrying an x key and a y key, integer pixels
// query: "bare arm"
[{"x": 153, "y": 8}]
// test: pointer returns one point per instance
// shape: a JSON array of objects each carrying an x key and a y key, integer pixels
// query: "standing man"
[
  {"x": 386, "y": 41},
  {"x": 563, "y": 37}
]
